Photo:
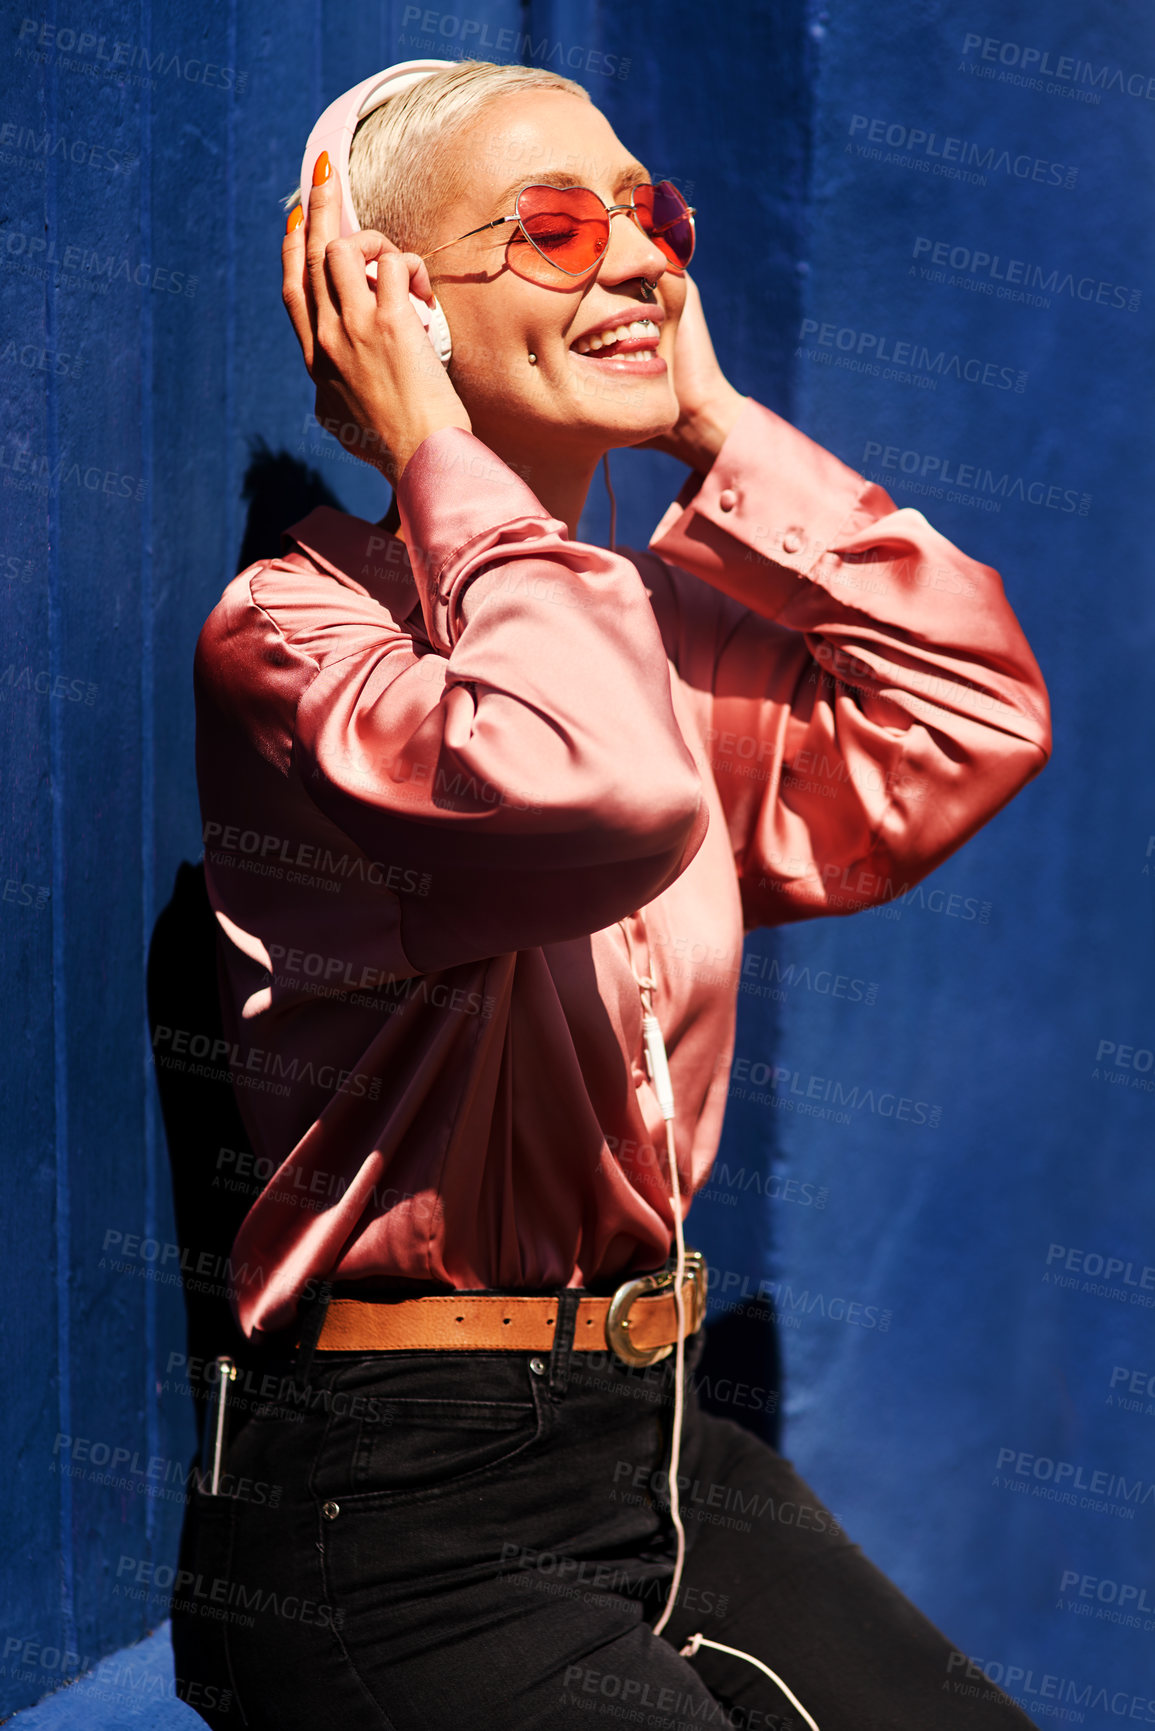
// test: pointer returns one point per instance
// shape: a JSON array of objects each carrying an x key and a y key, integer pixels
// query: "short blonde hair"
[{"x": 399, "y": 168}]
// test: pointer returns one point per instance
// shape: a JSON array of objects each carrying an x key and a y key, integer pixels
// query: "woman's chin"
[{"x": 635, "y": 419}]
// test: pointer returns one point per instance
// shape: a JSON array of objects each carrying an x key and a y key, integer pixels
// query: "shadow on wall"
[
  {"x": 200, "y": 1112},
  {"x": 203, "y": 1127}
]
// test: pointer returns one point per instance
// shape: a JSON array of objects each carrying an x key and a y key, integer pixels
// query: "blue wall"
[{"x": 144, "y": 345}]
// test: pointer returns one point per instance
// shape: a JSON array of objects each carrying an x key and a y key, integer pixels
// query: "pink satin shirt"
[{"x": 460, "y": 790}]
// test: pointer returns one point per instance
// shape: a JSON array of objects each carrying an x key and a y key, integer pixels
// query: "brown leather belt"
[{"x": 639, "y": 1322}]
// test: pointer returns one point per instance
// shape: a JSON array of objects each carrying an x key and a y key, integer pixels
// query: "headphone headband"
[{"x": 334, "y": 131}]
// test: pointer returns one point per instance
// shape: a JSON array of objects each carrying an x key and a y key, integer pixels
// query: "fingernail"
[
  {"x": 321, "y": 169},
  {"x": 296, "y": 218}
]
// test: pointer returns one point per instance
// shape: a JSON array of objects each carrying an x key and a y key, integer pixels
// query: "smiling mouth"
[{"x": 638, "y": 337}]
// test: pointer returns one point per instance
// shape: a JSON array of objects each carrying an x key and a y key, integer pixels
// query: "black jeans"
[{"x": 445, "y": 1541}]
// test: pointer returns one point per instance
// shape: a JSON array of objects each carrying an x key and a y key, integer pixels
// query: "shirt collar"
[{"x": 361, "y": 552}]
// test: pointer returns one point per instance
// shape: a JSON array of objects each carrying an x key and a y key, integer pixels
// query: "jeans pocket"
[
  {"x": 203, "y": 1673},
  {"x": 396, "y": 1439}
]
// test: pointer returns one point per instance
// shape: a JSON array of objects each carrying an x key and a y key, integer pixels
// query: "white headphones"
[{"x": 334, "y": 133}]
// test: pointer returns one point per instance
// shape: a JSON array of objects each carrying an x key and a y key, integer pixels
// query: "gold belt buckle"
[{"x": 618, "y": 1317}]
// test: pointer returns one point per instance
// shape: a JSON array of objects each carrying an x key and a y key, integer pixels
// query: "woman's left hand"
[{"x": 708, "y": 404}]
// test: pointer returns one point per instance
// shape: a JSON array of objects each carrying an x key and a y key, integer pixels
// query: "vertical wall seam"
[
  {"x": 148, "y": 898},
  {"x": 775, "y": 1139},
  {"x": 317, "y": 81},
  {"x": 233, "y": 432},
  {"x": 813, "y": 32},
  {"x": 59, "y": 993}
]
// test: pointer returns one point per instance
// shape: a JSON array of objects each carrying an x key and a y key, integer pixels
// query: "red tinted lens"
[
  {"x": 665, "y": 216},
  {"x": 568, "y": 231}
]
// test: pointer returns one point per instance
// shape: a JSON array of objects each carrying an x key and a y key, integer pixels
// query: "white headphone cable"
[
  {"x": 613, "y": 505},
  {"x": 658, "y": 1069}
]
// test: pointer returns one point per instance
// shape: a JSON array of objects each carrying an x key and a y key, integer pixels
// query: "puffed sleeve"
[
  {"x": 869, "y": 699},
  {"x": 529, "y": 762}
]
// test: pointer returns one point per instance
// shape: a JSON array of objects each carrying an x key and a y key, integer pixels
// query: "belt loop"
[
  {"x": 313, "y": 1321},
  {"x": 561, "y": 1351}
]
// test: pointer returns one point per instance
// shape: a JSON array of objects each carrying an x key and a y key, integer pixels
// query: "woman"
[{"x": 473, "y": 791}]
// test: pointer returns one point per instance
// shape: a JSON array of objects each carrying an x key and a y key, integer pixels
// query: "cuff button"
[
  {"x": 727, "y": 499},
  {"x": 792, "y": 541}
]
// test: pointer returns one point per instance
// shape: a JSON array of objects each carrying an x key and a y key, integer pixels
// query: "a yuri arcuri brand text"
[
  {"x": 934, "y": 151},
  {"x": 248, "y": 1066},
  {"x": 1047, "y": 1693},
  {"x": 829, "y": 1090},
  {"x": 1095, "y": 1489},
  {"x": 1043, "y": 69},
  {"x": 124, "y": 61},
  {"x": 1018, "y": 278},
  {"x": 906, "y": 360},
  {"x": 990, "y": 488},
  {"x": 230, "y": 844}
]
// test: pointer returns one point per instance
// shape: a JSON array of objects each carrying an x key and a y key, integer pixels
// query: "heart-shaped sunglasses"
[{"x": 567, "y": 229}]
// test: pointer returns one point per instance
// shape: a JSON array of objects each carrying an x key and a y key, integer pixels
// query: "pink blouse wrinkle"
[{"x": 436, "y": 773}]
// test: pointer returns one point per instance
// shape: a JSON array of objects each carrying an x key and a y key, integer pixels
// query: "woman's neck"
[{"x": 560, "y": 486}]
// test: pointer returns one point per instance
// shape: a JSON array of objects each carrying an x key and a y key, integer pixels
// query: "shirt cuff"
[
  {"x": 457, "y": 499},
  {"x": 771, "y": 504}
]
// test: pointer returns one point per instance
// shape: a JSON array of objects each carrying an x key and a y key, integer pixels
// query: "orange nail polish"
[
  {"x": 321, "y": 169},
  {"x": 296, "y": 218}
]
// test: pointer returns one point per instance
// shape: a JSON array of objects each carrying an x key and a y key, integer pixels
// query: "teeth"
[{"x": 633, "y": 328}]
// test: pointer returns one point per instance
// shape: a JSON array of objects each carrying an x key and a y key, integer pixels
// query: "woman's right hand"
[{"x": 381, "y": 390}]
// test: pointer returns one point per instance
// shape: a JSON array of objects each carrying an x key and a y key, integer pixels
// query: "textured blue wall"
[{"x": 145, "y": 151}]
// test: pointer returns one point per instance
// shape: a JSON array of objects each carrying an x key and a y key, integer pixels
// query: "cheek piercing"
[{"x": 532, "y": 359}]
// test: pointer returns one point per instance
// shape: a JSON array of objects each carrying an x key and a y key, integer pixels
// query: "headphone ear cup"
[
  {"x": 436, "y": 328},
  {"x": 439, "y": 333}
]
